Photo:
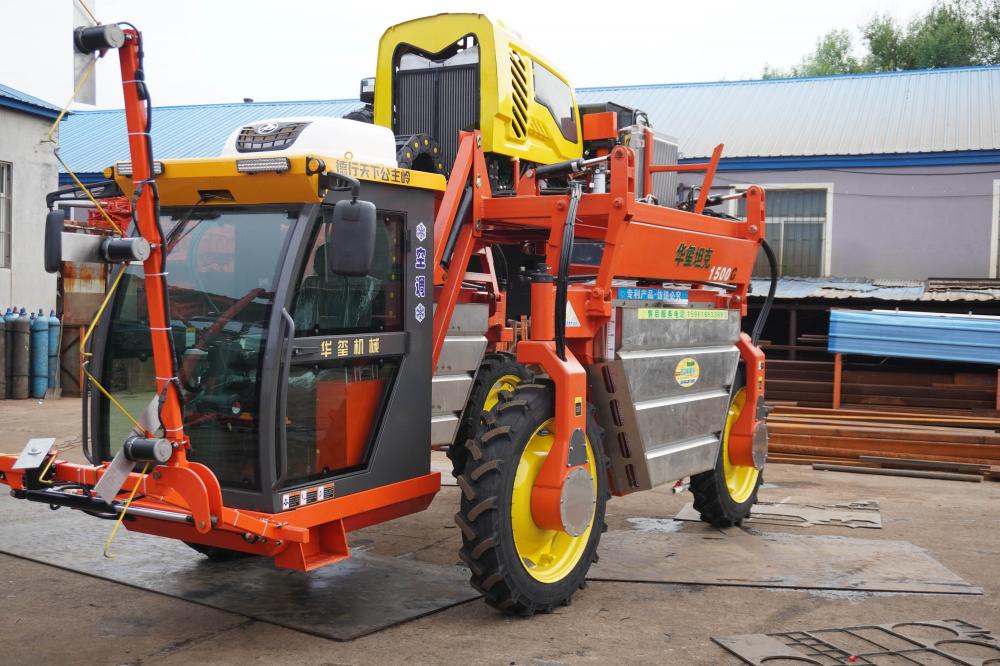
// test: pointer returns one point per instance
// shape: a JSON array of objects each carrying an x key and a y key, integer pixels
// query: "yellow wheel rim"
[
  {"x": 740, "y": 480},
  {"x": 547, "y": 555},
  {"x": 505, "y": 383}
]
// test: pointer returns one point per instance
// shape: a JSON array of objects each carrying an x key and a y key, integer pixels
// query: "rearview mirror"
[
  {"x": 351, "y": 246},
  {"x": 54, "y": 223}
]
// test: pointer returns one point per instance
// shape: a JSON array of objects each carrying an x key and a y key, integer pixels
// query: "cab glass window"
[
  {"x": 555, "y": 95},
  {"x": 329, "y": 304}
]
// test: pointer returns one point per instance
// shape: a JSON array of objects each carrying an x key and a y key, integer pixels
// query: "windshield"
[{"x": 222, "y": 264}]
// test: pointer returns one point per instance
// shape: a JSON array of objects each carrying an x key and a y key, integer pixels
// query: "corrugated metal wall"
[{"x": 916, "y": 335}]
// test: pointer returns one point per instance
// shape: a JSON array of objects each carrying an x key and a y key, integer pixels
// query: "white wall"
[
  {"x": 22, "y": 143},
  {"x": 906, "y": 223}
]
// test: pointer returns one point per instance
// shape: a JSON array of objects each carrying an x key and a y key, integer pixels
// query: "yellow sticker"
[
  {"x": 682, "y": 313},
  {"x": 687, "y": 372}
]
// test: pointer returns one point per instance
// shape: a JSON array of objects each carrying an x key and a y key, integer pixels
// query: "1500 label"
[{"x": 722, "y": 273}]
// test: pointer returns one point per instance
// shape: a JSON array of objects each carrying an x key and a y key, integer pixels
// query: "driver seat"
[{"x": 327, "y": 302}]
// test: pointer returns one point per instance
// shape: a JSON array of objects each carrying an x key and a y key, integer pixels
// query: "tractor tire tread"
[
  {"x": 514, "y": 419},
  {"x": 493, "y": 366}
]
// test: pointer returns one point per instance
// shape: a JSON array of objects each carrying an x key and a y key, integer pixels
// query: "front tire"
[
  {"x": 724, "y": 496},
  {"x": 521, "y": 568},
  {"x": 498, "y": 373}
]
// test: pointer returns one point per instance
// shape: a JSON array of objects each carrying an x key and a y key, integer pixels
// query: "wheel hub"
[{"x": 576, "y": 503}]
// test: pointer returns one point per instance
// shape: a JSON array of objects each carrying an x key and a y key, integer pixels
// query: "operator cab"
[{"x": 284, "y": 313}]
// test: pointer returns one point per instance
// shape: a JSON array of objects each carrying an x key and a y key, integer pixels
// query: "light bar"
[
  {"x": 275, "y": 164},
  {"x": 125, "y": 168}
]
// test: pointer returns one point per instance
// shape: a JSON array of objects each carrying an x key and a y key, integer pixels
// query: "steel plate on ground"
[
  {"x": 862, "y": 513},
  {"x": 736, "y": 558},
  {"x": 358, "y": 596},
  {"x": 923, "y": 642}
]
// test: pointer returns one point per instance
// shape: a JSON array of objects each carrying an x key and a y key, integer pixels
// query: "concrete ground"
[{"x": 51, "y": 615}]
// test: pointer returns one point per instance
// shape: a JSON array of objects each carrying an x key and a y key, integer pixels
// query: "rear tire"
[
  {"x": 725, "y": 495},
  {"x": 494, "y": 517},
  {"x": 499, "y": 372}
]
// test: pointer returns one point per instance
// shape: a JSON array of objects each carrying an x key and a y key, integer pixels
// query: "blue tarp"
[{"x": 940, "y": 337}]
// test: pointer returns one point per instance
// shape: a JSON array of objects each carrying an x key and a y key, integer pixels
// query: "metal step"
[{"x": 461, "y": 355}]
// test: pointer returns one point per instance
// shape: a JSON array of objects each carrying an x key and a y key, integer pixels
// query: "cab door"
[{"x": 354, "y": 393}]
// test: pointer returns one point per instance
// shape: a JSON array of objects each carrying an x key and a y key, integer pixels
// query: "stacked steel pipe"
[{"x": 901, "y": 422}]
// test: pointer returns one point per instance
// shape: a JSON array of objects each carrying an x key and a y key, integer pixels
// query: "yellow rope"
[
  {"x": 79, "y": 84},
  {"x": 84, "y": 7},
  {"x": 121, "y": 516},
  {"x": 52, "y": 131},
  {"x": 100, "y": 311},
  {"x": 113, "y": 401},
  {"x": 90, "y": 196}
]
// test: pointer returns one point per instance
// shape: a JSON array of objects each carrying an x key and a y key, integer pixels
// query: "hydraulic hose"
[
  {"x": 765, "y": 310},
  {"x": 562, "y": 279}
]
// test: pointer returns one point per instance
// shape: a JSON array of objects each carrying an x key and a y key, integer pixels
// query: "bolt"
[
  {"x": 201, "y": 524},
  {"x": 479, "y": 140},
  {"x": 753, "y": 228},
  {"x": 34, "y": 451},
  {"x": 479, "y": 181},
  {"x": 479, "y": 225},
  {"x": 618, "y": 203},
  {"x": 560, "y": 205},
  {"x": 157, "y": 475},
  {"x": 737, "y": 298}
]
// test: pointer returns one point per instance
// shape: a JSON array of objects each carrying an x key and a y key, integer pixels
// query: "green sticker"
[{"x": 682, "y": 313}]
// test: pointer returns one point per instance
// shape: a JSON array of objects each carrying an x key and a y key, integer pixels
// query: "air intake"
[
  {"x": 268, "y": 136},
  {"x": 519, "y": 77}
]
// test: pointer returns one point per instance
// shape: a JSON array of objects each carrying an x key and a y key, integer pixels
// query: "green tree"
[{"x": 953, "y": 33}]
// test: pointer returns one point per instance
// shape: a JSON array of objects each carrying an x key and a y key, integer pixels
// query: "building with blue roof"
[
  {"x": 888, "y": 175},
  {"x": 28, "y": 172}
]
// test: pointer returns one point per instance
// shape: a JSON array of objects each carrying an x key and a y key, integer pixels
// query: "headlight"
[
  {"x": 276, "y": 164},
  {"x": 125, "y": 168}
]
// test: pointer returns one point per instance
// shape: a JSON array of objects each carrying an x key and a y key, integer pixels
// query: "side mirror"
[
  {"x": 367, "y": 93},
  {"x": 351, "y": 245},
  {"x": 54, "y": 223}
]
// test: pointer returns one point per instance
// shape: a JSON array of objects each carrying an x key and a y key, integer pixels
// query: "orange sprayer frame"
[{"x": 641, "y": 241}]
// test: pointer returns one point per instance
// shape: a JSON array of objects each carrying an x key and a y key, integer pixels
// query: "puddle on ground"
[{"x": 663, "y": 525}]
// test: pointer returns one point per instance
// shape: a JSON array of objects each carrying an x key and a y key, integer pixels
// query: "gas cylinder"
[
  {"x": 19, "y": 357},
  {"x": 8, "y": 319},
  {"x": 3, "y": 358},
  {"x": 55, "y": 328},
  {"x": 39, "y": 354}
]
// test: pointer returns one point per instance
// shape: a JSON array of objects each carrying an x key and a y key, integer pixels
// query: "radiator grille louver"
[
  {"x": 279, "y": 136},
  {"x": 519, "y": 77}
]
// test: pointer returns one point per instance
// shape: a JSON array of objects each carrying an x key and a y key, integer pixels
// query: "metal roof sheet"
[
  {"x": 943, "y": 337},
  {"x": 932, "y": 289},
  {"x": 841, "y": 288},
  {"x": 22, "y": 101},
  {"x": 93, "y": 140},
  {"x": 934, "y": 110},
  {"x": 863, "y": 114}
]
